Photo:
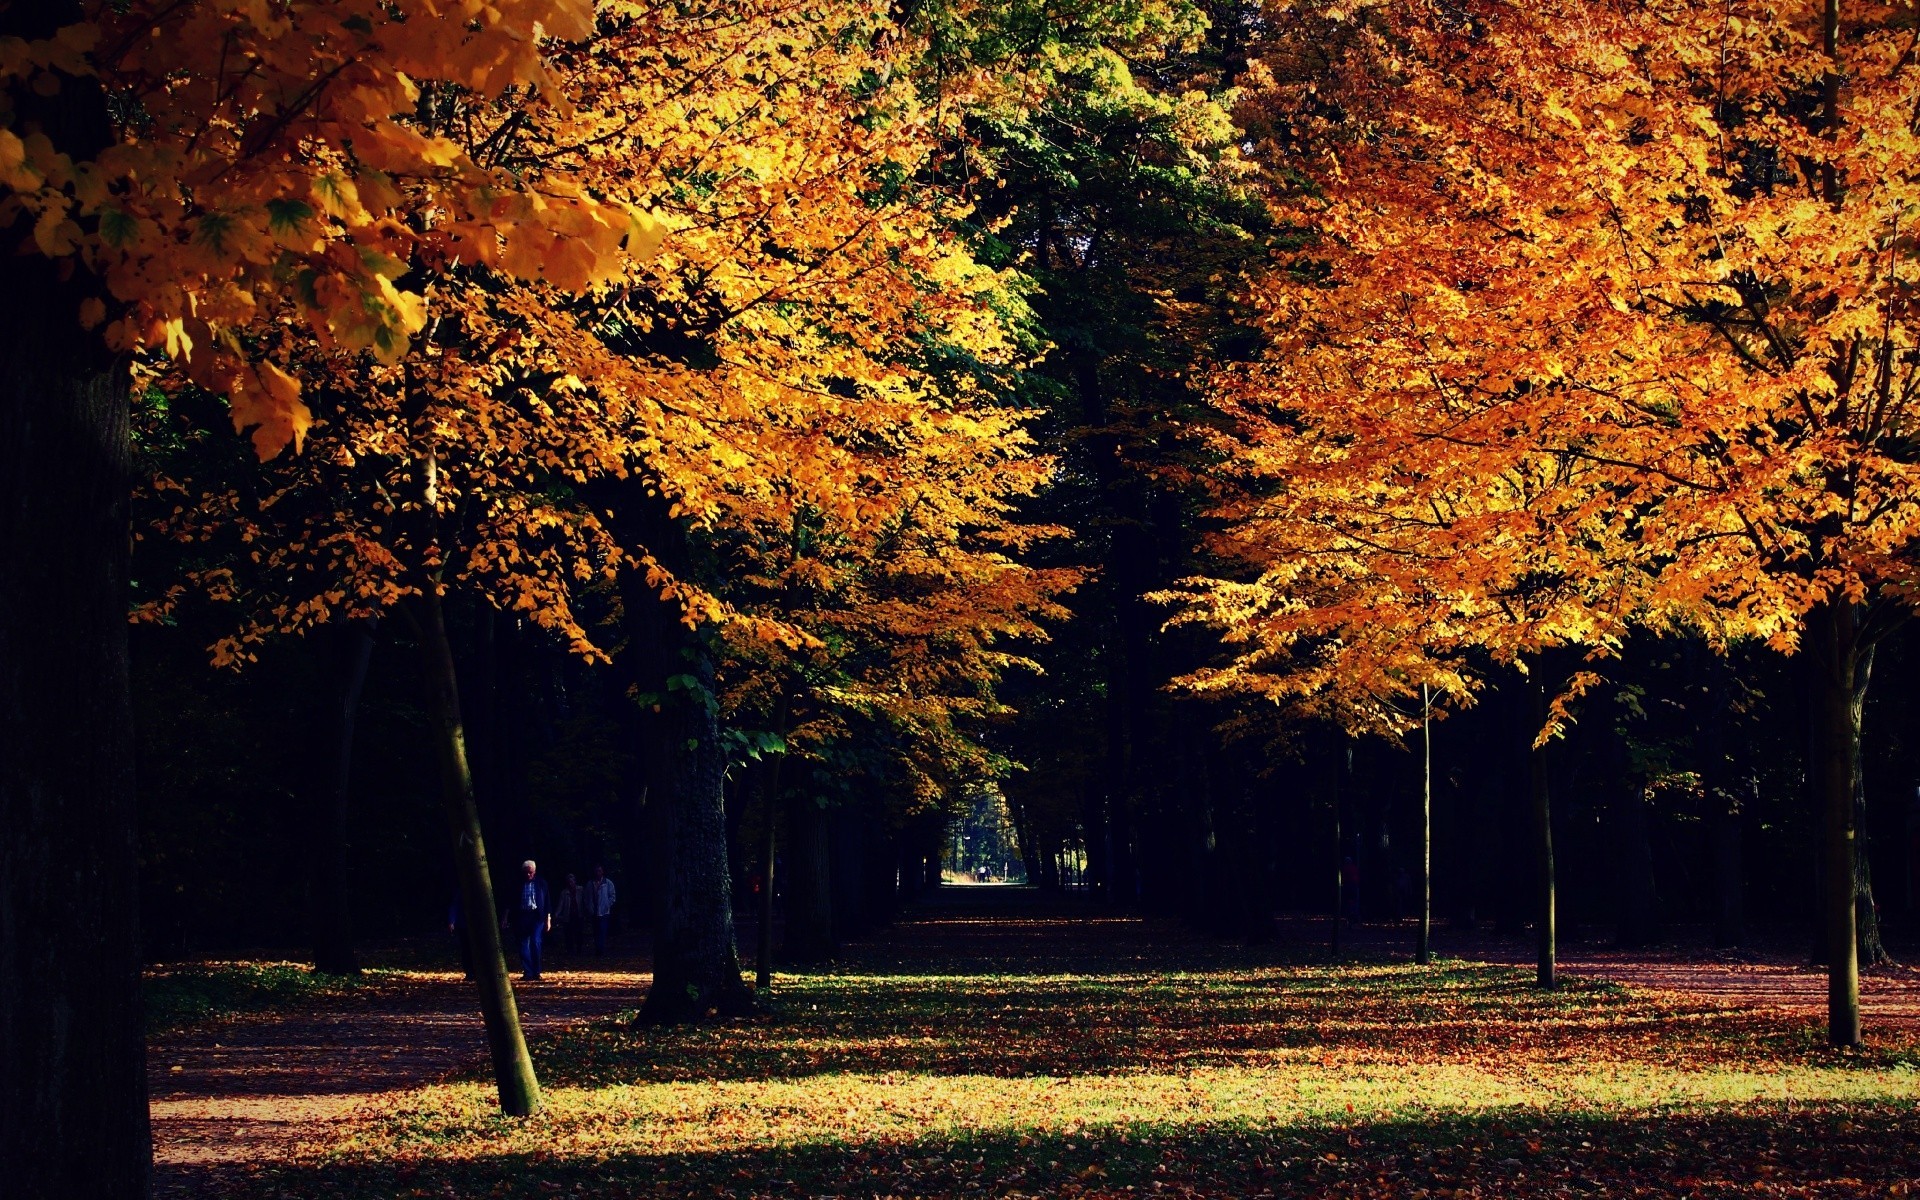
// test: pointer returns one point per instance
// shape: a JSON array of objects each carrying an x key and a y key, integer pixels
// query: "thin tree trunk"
[
  {"x": 1832, "y": 638},
  {"x": 506, "y": 1044},
  {"x": 1423, "y": 953},
  {"x": 329, "y": 894},
  {"x": 73, "y": 1094},
  {"x": 1544, "y": 914}
]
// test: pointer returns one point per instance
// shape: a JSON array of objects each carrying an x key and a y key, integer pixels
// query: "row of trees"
[
  {"x": 748, "y": 365},
  {"x": 653, "y": 326}
]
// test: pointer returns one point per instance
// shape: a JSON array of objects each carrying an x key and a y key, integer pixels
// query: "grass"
[
  {"x": 1231, "y": 1078},
  {"x": 179, "y": 995}
]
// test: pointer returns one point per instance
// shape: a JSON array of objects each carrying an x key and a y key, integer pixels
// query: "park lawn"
[
  {"x": 177, "y": 996},
  {"x": 1389, "y": 1080}
]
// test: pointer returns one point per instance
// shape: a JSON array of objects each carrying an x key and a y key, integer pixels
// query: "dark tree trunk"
[
  {"x": 329, "y": 894},
  {"x": 696, "y": 964},
  {"x": 1423, "y": 945},
  {"x": 1545, "y": 915},
  {"x": 1833, "y": 641},
  {"x": 809, "y": 929},
  {"x": 506, "y": 1044},
  {"x": 73, "y": 1095},
  {"x": 1871, "y": 948}
]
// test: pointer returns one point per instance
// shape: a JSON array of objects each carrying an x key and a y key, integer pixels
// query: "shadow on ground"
[{"x": 1790, "y": 1150}]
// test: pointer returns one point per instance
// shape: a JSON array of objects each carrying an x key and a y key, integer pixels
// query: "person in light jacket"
[{"x": 599, "y": 907}]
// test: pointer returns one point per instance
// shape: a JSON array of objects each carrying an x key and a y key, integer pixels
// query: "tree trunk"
[
  {"x": 329, "y": 894},
  {"x": 696, "y": 964},
  {"x": 73, "y": 1094},
  {"x": 506, "y": 1044},
  {"x": 1544, "y": 915},
  {"x": 1423, "y": 950},
  {"x": 1866, "y": 917},
  {"x": 809, "y": 930},
  {"x": 1832, "y": 638}
]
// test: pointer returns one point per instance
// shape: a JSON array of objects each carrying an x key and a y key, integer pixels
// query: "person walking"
[
  {"x": 531, "y": 919},
  {"x": 600, "y": 896},
  {"x": 570, "y": 910}
]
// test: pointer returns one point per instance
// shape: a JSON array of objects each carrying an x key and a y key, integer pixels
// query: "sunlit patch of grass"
[
  {"x": 182, "y": 994},
  {"x": 1383, "y": 1080}
]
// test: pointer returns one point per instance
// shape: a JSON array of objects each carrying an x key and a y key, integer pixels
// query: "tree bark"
[
  {"x": 329, "y": 894},
  {"x": 809, "y": 930},
  {"x": 1423, "y": 950},
  {"x": 1832, "y": 638},
  {"x": 73, "y": 1096},
  {"x": 1545, "y": 933},
  {"x": 506, "y": 1044},
  {"x": 1871, "y": 948},
  {"x": 696, "y": 963}
]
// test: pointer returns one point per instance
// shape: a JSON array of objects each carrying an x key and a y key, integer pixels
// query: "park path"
[{"x": 250, "y": 1091}]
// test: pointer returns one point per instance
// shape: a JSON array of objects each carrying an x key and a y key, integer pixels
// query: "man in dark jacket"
[{"x": 530, "y": 919}]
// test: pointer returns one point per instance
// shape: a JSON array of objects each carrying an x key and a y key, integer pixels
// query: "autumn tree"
[
  {"x": 797, "y": 353},
  {"x": 218, "y": 184},
  {"x": 1630, "y": 275}
]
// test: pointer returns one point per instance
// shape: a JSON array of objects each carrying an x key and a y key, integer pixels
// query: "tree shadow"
[
  {"x": 1073, "y": 1026},
  {"x": 1826, "y": 1150}
]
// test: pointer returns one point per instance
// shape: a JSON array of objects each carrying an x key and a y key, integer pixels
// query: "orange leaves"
[
  {"x": 278, "y": 141},
  {"x": 1578, "y": 343},
  {"x": 267, "y": 400}
]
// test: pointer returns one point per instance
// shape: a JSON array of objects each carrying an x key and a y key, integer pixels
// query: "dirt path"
[{"x": 250, "y": 1091}]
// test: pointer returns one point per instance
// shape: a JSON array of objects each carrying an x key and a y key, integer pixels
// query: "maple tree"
[
  {"x": 814, "y": 346},
  {"x": 197, "y": 180},
  {"x": 1604, "y": 305}
]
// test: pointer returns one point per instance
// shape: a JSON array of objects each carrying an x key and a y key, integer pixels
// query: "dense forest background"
[{"x": 1123, "y": 182}]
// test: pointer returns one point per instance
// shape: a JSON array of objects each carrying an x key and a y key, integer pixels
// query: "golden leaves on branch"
[{"x": 1599, "y": 326}]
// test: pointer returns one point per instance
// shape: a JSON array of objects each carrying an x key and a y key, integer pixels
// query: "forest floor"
[{"x": 992, "y": 1044}]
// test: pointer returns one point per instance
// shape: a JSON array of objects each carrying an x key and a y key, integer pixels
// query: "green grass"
[
  {"x": 179, "y": 995},
  {"x": 1240, "y": 1079}
]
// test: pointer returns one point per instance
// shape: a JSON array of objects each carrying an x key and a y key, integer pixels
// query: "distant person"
[
  {"x": 530, "y": 918},
  {"x": 570, "y": 910},
  {"x": 600, "y": 897},
  {"x": 457, "y": 927}
]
